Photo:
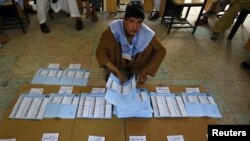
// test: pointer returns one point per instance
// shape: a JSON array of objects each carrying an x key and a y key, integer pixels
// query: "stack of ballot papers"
[
  {"x": 127, "y": 100},
  {"x": 140, "y": 108},
  {"x": 94, "y": 105},
  {"x": 62, "y": 106},
  {"x": 56, "y": 76},
  {"x": 120, "y": 94},
  {"x": 200, "y": 105},
  {"x": 30, "y": 106}
]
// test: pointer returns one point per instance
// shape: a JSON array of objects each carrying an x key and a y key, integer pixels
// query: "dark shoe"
[
  {"x": 245, "y": 65},
  {"x": 30, "y": 10},
  {"x": 203, "y": 21},
  {"x": 44, "y": 28},
  {"x": 94, "y": 17},
  {"x": 214, "y": 36},
  {"x": 154, "y": 15},
  {"x": 79, "y": 25}
]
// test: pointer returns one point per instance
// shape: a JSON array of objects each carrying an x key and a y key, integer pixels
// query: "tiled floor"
[{"x": 190, "y": 60}]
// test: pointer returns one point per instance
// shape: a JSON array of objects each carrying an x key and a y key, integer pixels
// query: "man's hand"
[
  {"x": 142, "y": 78},
  {"x": 121, "y": 77},
  {"x": 115, "y": 71}
]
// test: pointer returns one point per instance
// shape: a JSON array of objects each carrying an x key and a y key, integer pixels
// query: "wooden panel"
[
  {"x": 111, "y": 5},
  {"x": 32, "y": 130}
]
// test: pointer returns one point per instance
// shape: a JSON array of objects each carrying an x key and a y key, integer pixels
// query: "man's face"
[{"x": 132, "y": 25}]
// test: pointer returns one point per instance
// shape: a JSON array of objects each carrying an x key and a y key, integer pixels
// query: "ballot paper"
[
  {"x": 175, "y": 138},
  {"x": 30, "y": 106},
  {"x": 201, "y": 105},
  {"x": 120, "y": 94},
  {"x": 168, "y": 105},
  {"x": 137, "y": 138},
  {"x": 50, "y": 137},
  {"x": 13, "y": 139},
  {"x": 94, "y": 106},
  {"x": 141, "y": 108},
  {"x": 36, "y": 91},
  {"x": 47, "y": 76},
  {"x": 96, "y": 138},
  {"x": 76, "y": 77},
  {"x": 62, "y": 106}
]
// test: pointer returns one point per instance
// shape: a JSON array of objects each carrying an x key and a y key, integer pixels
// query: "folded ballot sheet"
[
  {"x": 62, "y": 106},
  {"x": 77, "y": 77},
  {"x": 140, "y": 108},
  {"x": 201, "y": 105},
  {"x": 184, "y": 105},
  {"x": 56, "y": 76},
  {"x": 47, "y": 76},
  {"x": 120, "y": 94}
]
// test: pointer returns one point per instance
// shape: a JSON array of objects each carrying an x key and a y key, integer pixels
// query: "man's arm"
[
  {"x": 159, "y": 53},
  {"x": 154, "y": 63},
  {"x": 106, "y": 52}
]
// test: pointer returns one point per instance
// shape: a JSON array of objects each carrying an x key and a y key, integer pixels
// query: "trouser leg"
[
  {"x": 157, "y": 4},
  {"x": 70, "y": 7},
  {"x": 227, "y": 18},
  {"x": 42, "y": 9}
]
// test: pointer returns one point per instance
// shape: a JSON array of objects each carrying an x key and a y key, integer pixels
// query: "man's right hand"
[
  {"x": 121, "y": 77},
  {"x": 112, "y": 68}
]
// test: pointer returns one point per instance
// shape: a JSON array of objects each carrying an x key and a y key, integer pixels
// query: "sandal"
[{"x": 245, "y": 65}]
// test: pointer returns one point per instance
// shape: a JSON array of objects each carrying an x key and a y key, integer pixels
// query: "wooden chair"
[
  {"x": 13, "y": 16},
  {"x": 80, "y": 5}
]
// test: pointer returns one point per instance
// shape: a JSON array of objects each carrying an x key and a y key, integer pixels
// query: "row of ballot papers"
[
  {"x": 69, "y": 106},
  {"x": 132, "y": 102},
  {"x": 56, "y": 76},
  {"x": 128, "y": 101},
  {"x": 90, "y": 105}
]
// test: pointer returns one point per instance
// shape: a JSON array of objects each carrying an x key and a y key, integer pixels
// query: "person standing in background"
[
  {"x": 91, "y": 10},
  {"x": 227, "y": 19},
  {"x": 70, "y": 7},
  {"x": 155, "y": 14}
]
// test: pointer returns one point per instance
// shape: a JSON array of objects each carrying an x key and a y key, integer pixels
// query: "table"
[
  {"x": 111, "y": 129},
  {"x": 171, "y": 21},
  {"x": 155, "y": 129},
  {"x": 32, "y": 130}
]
